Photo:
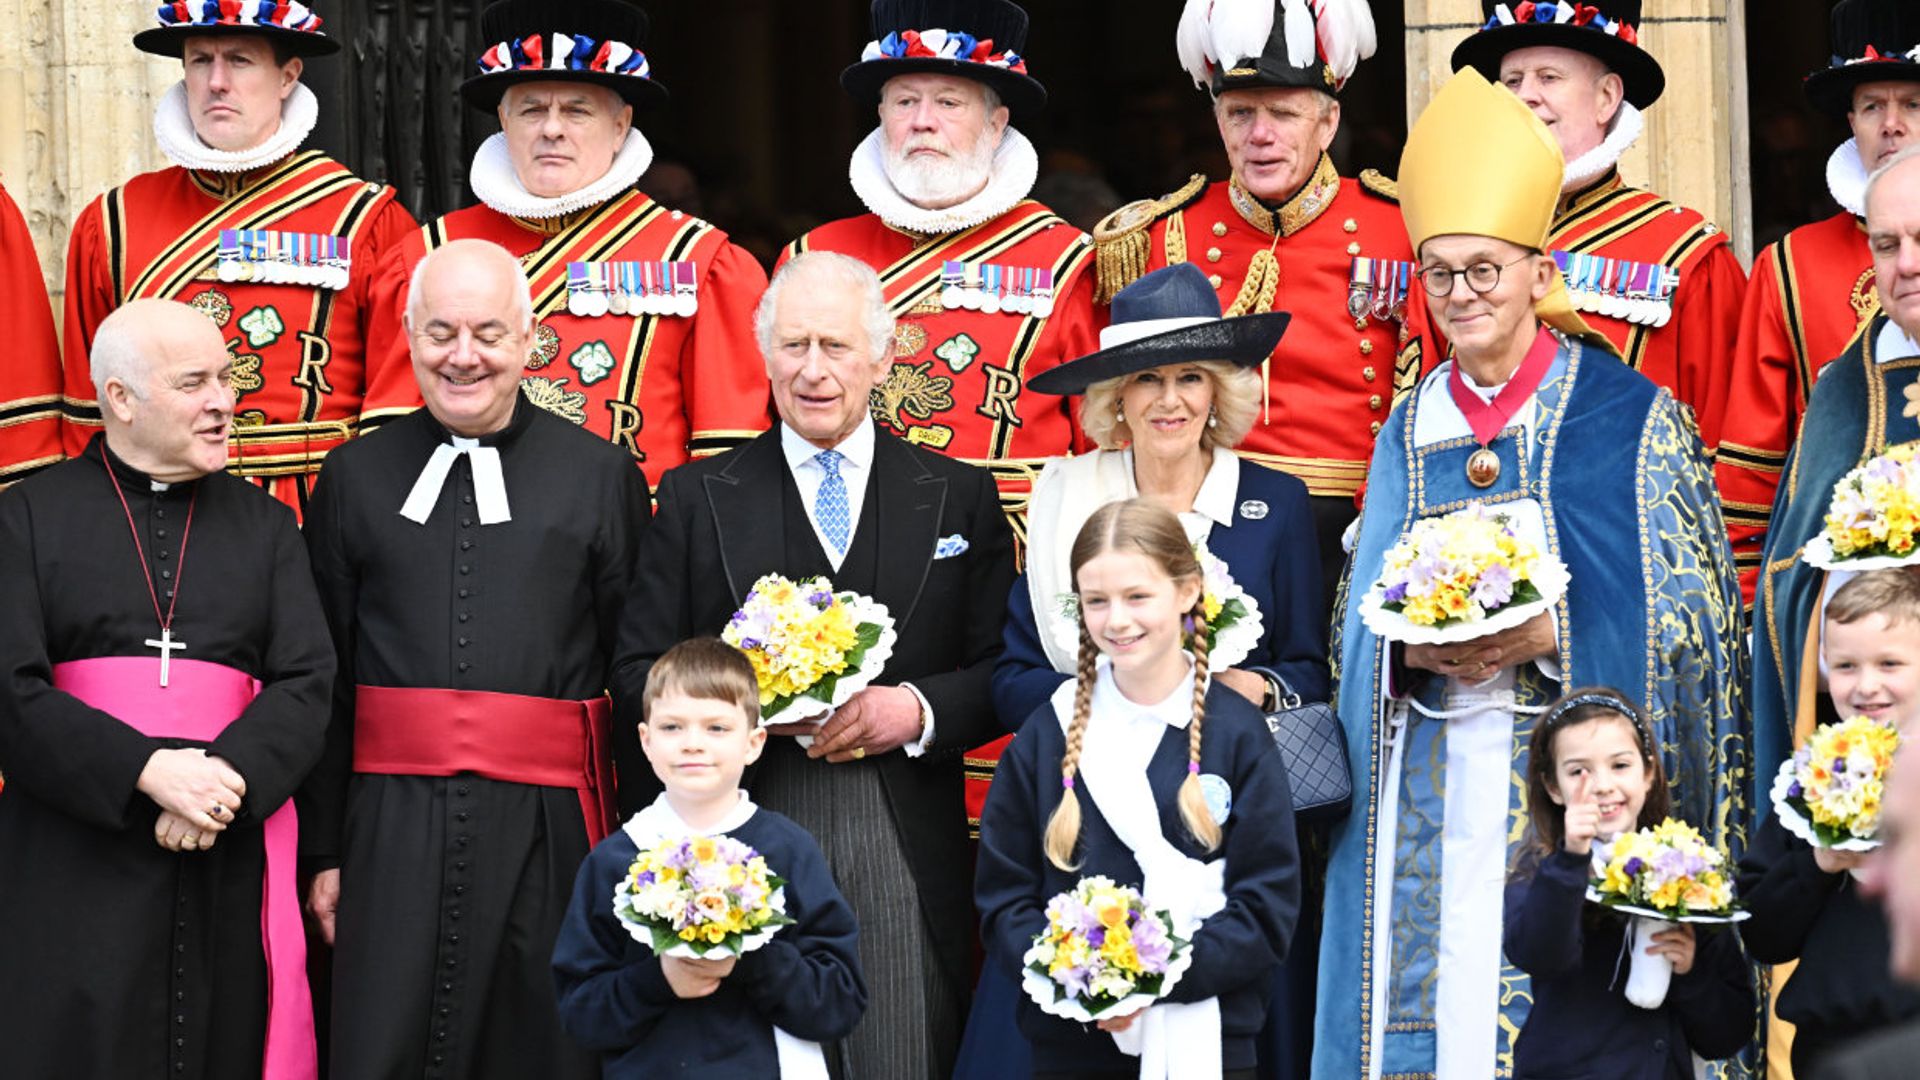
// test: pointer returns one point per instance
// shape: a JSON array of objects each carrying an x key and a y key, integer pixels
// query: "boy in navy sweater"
[{"x": 764, "y": 1014}]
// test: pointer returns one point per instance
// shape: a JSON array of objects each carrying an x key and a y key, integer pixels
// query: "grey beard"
[{"x": 942, "y": 181}]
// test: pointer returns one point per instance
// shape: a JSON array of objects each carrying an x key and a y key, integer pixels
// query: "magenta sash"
[{"x": 201, "y": 700}]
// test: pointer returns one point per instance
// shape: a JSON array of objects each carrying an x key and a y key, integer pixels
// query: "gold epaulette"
[
  {"x": 1121, "y": 242},
  {"x": 1380, "y": 184}
]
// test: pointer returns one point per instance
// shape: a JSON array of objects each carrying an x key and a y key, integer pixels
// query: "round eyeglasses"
[{"x": 1481, "y": 277}]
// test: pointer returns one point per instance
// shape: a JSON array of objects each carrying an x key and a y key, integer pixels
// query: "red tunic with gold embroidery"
[
  {"x": 959, "y": 374},
  {"x": 1334, "y": 376},
  {"x": 300, "y": 373},
  {"x": 30, "y": 376},
  {"x": 1808, "y": 295},
  {"x": 1690, "y": 355},
  {"x": 665, "y": 387}
]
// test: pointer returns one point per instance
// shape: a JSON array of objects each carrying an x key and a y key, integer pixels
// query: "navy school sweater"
[
  {"x": 613, "y": 997},
  {"x": 1235, "y": 951},
  {"x": 1582, "y": 1024}
]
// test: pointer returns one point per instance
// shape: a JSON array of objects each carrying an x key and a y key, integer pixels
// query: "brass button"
[
  {"x": 1214, "y": 280},
  {"x": 1373, "y": 402},
  {"x": 1350, "y": 225},
  {"x": 1366, "y": 347},
  {"x": 1353, "y": 248},
  {"x": 1367, "y": 373},
  {"x": 1213, "y": 254},
  {"x": 1360, "y": 322},
  {"x": 1374, "y": 427},
  {"x": 1219, "y": 228}
]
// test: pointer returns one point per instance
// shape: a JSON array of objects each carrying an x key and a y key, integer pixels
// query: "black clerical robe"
[
  {"x": 119, "y": 958},
  {"x": 452, "y": 888}
]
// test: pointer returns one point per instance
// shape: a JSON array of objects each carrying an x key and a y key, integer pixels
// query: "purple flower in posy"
[
  {"x": 1074, "y": 981},
  {"x": 1795, "y": 791},
  {"x": 1396, "y": 593},
  {"x": 1634, "y": 866},
  {"x": 1150, "y": 942},
  {"x": 1494, "y": 588}
]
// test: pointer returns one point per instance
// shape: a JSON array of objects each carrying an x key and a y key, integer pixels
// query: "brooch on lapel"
[
  {"x": 949, "y": 546},
  {"x": 1253, "y": 509}
]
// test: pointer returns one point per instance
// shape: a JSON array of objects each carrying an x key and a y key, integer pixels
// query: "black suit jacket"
[
  {"x": 1888, "y": 1055},
  {"x": 721, "y": 524}
]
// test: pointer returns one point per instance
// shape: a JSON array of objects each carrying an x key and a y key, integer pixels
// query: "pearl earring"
[{"x": 1213, "y": 418}]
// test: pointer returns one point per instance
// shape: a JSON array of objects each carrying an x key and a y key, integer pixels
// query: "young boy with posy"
[
  {"x": 1805, "y": 903},
  {"x": 762, "y": 1014}
]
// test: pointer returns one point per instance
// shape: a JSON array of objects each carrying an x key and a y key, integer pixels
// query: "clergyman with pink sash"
[{"x": 164, "y": 680}]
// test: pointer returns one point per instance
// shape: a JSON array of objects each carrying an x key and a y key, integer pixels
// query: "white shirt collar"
[
  {"x": 497, "y": 185},
  {"x": 1174, "y": 711},
  {"x": 173, "y": 131},
  {"x": 1220, "y": 491},
  {"x": 1892, "y": 343},
  {"x": 1015, "y": 166},
  {"x": 1847, "y": 178},
  {"x": 857, "y": 447}
]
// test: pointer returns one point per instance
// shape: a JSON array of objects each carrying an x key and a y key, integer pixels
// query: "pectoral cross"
[{"x": 166, "y": 645}]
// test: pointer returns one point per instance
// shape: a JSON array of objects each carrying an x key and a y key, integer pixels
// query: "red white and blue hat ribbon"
[
  {"x": 1875, "y": 56},
  {"x": 956, "y": 45},
  {"x": 565, "y": 52},
  {"x": 1563, "y": 12},
  {"x": 278, "y": 14}
]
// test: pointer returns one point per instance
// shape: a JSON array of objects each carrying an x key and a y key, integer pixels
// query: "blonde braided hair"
[{"x": 1063, "y": 828}]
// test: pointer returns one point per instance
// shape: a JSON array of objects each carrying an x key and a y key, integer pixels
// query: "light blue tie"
[{"x": 830, "y": 508}]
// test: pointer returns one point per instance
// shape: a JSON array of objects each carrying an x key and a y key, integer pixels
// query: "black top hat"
[
  {"x": 1171, "y": 316},
  {"x": 289, "y": 26},
  {"x": 589, "y": 41},
  {"x": 982, "y": 40},
  {"x": 1873, "y": 41},
  {"x": 1607, "y": 31}
]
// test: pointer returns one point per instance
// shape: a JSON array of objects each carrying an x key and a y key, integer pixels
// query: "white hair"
[
  {"x": 830, "y": 269},
  {"x": 1905, "y": 155},
  {"x": 118, "y": 353},
  {"x": 522, "y": 309}
]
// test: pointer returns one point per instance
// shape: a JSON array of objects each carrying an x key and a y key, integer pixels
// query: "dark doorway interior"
[
  {"x": 1790, "y": 141},
  {"x": 759, "y": 123}
]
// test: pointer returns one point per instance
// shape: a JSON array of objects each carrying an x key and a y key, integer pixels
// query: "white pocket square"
[{"x": 949, "y": 546}]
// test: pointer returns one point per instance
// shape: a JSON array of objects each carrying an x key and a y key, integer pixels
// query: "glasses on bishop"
[{"x": 1481, "y": 277}]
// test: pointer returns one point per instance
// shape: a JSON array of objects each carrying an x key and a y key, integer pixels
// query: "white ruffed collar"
[
  {"x": 497, "y": 185},
  {"x": 1015, "y": 166},
  {"x": 1847, "y": 178},
  {"x": 173, "y": 130},
  {"x": 1627, "y": 126}
]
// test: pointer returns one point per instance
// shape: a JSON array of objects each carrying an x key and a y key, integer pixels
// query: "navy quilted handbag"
[{"x": 1314, "y": 747}]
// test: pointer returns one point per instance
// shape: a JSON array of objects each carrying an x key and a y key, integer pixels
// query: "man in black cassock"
[
  {"x": 826, "y": 493},
  {"x": 472, "y": 558},
  {"x": 166, "y": 671}
]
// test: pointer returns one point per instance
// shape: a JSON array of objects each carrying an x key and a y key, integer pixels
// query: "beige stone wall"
[
  {"x": 76, "y": 110},
  {"x": 1694, "y": 150}
]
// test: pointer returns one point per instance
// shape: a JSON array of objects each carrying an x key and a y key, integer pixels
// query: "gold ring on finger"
[{"x": 859, "y": 752}]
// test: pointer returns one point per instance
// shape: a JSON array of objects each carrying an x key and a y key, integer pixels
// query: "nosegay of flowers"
[
  {"x": 1458, "y": 569},
  {"x": 1103, "y": 952},
  {"x": 811, "y": 648},
  {"x": 1667, "y": 869},
  {"x": 1829, "y": 791},
  {"x": 1875, "y": 510},
  {"x": 701, "y": 896}
]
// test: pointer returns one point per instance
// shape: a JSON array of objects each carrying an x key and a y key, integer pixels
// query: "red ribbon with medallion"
[{"x": 1489, "y": 418}]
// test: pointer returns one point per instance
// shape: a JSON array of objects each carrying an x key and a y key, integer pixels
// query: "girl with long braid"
[{"x": 1144, "y": 771}]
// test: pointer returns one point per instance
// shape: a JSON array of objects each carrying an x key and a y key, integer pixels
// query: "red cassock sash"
[
  {"x": 199, "y": 702},
  {"x": 426, "y": 731}
]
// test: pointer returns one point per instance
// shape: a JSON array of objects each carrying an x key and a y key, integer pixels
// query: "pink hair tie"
[
  {"x": 1066, "y": 781},
  {"x": 1193, "y": 768}
]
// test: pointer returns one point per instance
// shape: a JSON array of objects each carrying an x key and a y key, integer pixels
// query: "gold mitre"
[{"x": 1479, "y": 163}]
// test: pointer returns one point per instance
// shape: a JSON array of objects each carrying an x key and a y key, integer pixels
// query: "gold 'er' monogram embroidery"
[
  {"x": 911, "y": 390},
  {"x": 1003, "y": 387}
]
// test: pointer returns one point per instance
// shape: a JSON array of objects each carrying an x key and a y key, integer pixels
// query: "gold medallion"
[{"x": 1483, "y": 468}]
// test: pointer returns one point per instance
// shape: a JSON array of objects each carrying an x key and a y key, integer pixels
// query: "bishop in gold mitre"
[{"x": 1534, "y": 418}]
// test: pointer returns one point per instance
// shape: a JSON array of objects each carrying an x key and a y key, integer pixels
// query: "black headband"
[{"x": 1608, "y": 701}]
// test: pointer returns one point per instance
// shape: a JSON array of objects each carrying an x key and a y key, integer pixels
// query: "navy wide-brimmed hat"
[
  {"x": 588, "y": 41},
  {"x": 1873, "y": 41},
  {"x": 292, "y": 27},
  {"x": 1170, "y": 316},
  {"x": 1607, "y": 30},
  {"x": 982, "y": 40}
]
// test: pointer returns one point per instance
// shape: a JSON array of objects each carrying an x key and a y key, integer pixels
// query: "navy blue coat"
[
  {"x": 806, "y": 980},
  {"x": 1275, "y": 558},
  {"x": 1235, "y": 951},
  {"x": 1582, "y": 1024}
]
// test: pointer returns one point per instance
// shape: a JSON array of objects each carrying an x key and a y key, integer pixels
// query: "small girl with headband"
[
  {"x": 1593, "y": 773},
  {"x": 1145, "y": 772}
]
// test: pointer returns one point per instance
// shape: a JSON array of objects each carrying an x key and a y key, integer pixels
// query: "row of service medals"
[
  {"x": 647, "y": 287},
  {"x": 991, "y": 288},
  {"x": 1640, "y": 293},
  {"x": 1379, "y": 287},
  {"x": 274, "y": 257}
]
